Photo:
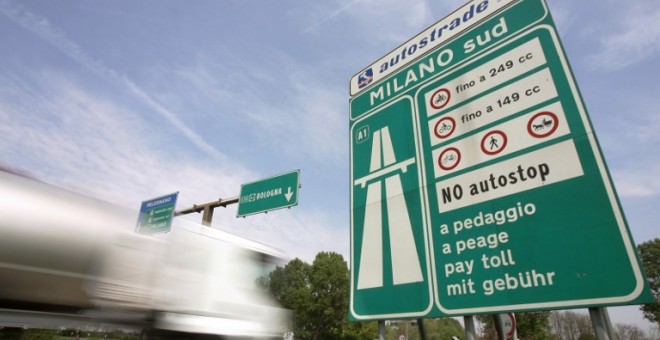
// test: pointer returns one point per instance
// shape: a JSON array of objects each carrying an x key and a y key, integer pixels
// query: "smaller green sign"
[
  {"x": 268, "y": 194},
  {"x": 156, "y": 214}
]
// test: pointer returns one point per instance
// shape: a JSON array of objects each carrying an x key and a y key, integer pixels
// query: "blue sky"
[{"x": 126, "y": 100}]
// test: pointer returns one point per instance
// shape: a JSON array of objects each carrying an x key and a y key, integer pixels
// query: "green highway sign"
[
  {"x": 269, "y": 194},
  {"x": 477, "y": 182},
  {"x": 156, "y": 214}
]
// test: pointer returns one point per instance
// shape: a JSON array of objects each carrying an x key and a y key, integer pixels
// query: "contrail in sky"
[
  {"x": 41, "y": 27},
  {"x": 332, "y": 15}
]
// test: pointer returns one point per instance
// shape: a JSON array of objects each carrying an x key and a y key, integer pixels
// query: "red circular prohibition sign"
[
  {"x": 500, "y": 148},
  {"x": 449, "y": 129},
  {"x": 443, "y": 104},
  {"x": 441, "y": 156},
  {"x": 531, "y": 128}
]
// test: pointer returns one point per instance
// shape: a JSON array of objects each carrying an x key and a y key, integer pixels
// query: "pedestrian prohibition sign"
[{"x": 477, "y": 184}]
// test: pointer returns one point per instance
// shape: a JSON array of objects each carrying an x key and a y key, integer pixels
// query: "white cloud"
[
  {"x": 41, "y": 27},
  {"x": 384, "y": 21},
  {"x": 637, "y": 182},
  {"x": 289, "y": 111},
  {"x": 96, "y": 147},
  {"x": 298, "y": 232},
  {"x": 563, "y": 17},
  {"x": 634, "y": 37},
  {"x": 327, "y": 15}
]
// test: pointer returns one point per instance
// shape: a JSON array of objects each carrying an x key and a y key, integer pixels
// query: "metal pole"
[
  {"x": 499, "y": 326},
  {"x": 207, "y": 209},
  {"x": 207, "y": 218},
  {"x": 470, "y": 330},
  {"x": 600, "y": 323},
  {"x": 422, "y": 331},
  {"x": 381, "y": 330},
  {"x": 608, "y": 322}
]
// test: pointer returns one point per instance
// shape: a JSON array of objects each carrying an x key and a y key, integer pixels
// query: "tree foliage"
[
  {"x": 435, "y": 329},
  {"x": 318, "y": 296},
  {"x": 629, "y": 332},
  {"x": 570, "y": 325},
  {"x": 329, "y": 284},
  {"x": 649, "y": 253},
  {"x": 533, "y": 325}
]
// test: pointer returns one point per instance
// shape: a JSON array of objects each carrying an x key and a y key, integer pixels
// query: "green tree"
[
  {"x": 533, "y": 325},
  {"x": 290, "y": 286},
  {"x": 569, "y": 325},
  {"x": 27, "y": 334},
  {"x": 318, "y": 296},
  {"x": 487, "y": 327},
  {"x": 435, "y": 329},
  {"x": 329, "y": 283},
  {"x": 649, "y": 253},
  {"x": 629, "y": 332},
  {"x": 360, "y": 330}
]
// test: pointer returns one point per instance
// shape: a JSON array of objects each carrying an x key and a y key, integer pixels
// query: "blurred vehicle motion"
[{"x": 65, "y": 261}]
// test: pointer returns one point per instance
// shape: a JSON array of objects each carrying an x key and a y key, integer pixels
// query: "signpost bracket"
[{"x": 207, "y": 209}]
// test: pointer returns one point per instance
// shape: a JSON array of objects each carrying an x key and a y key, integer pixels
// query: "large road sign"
[
  {"x": 268, "y": 194},
  {"x": 477, "y": 183},
  {"x": 156, "y": 214}
]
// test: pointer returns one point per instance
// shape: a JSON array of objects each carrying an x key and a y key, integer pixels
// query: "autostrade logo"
[
  {"x": 460, "y": 20},
  {"x": 365, "y": 78}
]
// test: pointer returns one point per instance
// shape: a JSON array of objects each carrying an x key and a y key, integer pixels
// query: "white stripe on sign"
[
  {"x": 522, "y": 94},
  {"x": 477, "y": 149},
  {"x": 553, "y": 164},
  {"x": 512, "y": 64}
]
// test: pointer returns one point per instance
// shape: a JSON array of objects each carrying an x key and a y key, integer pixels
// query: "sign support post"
[
  {"x": 470, "y": 330},
  {"x": 498, "y": 321},
  {"x": 600, "y": 321},
  {"x": 382, "y": 334},
  {"x": 207, "y": 209},
  {"x": 422, "y": 330}
]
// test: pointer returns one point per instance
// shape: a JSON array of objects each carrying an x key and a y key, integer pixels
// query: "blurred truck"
[{"x": 67, "y": 260}]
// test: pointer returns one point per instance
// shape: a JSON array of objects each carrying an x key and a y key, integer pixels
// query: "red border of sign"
[
  {"x": 554, "y": 128},
  {"x": 446, "y": 102},
  {"x": 513, "y": 326},
  {"x": 498, "y": 150},
  {"x": 453, "y": 127},
  {"x": 458, "y": 153}
]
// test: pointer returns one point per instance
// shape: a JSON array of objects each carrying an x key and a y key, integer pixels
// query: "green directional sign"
[
  {"x": 156, "y": 214},
  {"x": 477, "y": 183},
  {"x": 269, "y": 194},
  {"x": 388, "y": 222}
]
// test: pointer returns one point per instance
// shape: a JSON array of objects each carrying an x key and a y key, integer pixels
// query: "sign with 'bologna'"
[
  {"x": 477, "y": 184},
  {"x": 268, "y": 194}
]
